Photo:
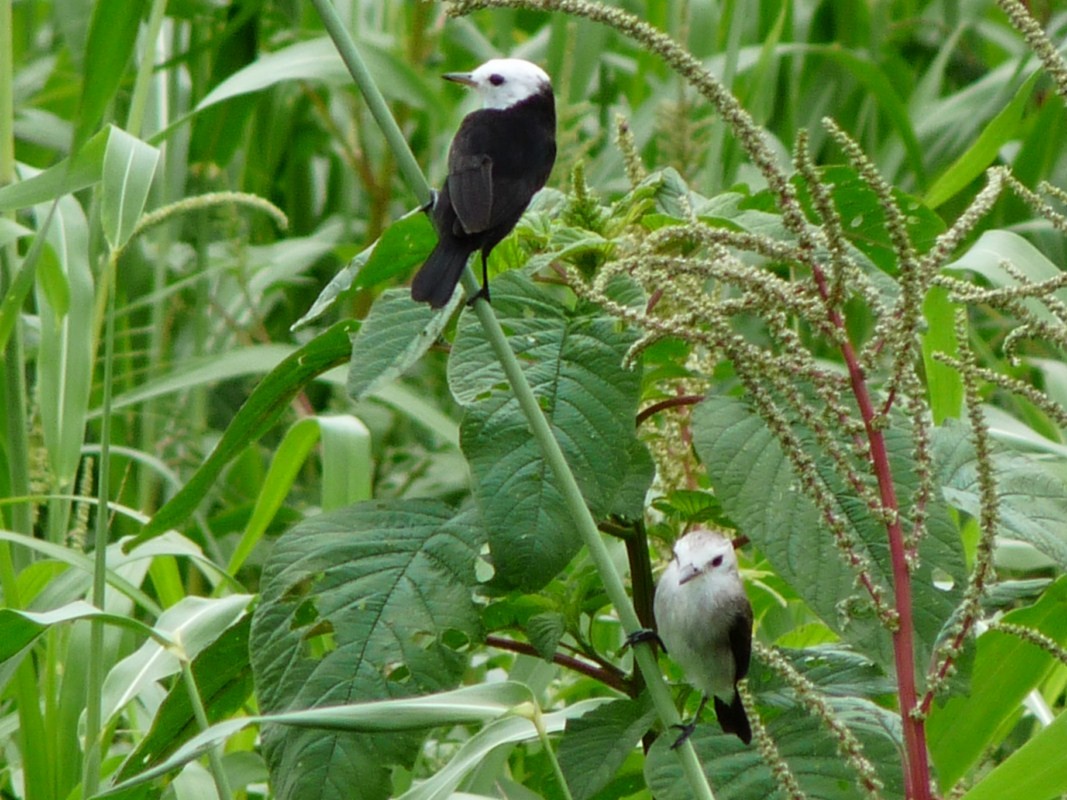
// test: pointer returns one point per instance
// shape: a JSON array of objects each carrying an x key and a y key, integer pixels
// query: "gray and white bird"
[
  {"x": 704, "y": 620},
  {"x": 500, "y": 158}
]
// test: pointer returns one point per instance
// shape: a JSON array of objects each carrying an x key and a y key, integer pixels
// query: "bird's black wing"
[
  {"x": 740, "y": 634},
  {"x": 490, "y": 179},
  {"x": 470, "y": 185}
]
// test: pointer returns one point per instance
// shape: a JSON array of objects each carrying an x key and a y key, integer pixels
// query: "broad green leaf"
[
  {"x": 465, "y": 706},
  {"x": 1036, "y": 770},
  {"x": 19, "y": 629},
  {"x": 995, "y": 246},
  {"x": 498, "y": 733},
  {"x": 69, "y": 175},
  {"x": 260, "y": 412},
  {"x": 84, "y": 566},
  {"x": 1032, "y": 497},
  {"x": 863, "y": 219},
  {"x": 760, "y": 492},
  {"x": 738, "y": 772},
  {"x": 984, "y": 150},
  {"x": 1006, "y": 668},
  {"x": 191, "y": 625},
  {"x": 223, "y": 678},
  {"x": 364, "y": 603},
  {"x": 112, "y": 39},
  {"x": 129, "y": 166},
  {"x": 396, "y": 334},
  {"x": 573, "y": 363},
  {"x": 347, "y": 462},
  {"x": 944, "y": 386},
  {"x": 346, "y": 473},
  {"x": 595, "y": 745},
  {"x": 404, "y": 244},
  {"x": 65, "y": 363},
  {"x": 317, "y": 59},
  {"x": 849, "y": 683}
]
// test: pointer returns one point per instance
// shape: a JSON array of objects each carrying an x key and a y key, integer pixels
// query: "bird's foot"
[
  {"x": 483, "y": 294},
  {"x": 644, "y": 635},
  {"x": 427, "y": 207},
  {"x": 687, "y": 731}
]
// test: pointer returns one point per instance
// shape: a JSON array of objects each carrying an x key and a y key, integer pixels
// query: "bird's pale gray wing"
[
  {"x": 741, "y": 641},
  {"x": 470, "y": 185}
]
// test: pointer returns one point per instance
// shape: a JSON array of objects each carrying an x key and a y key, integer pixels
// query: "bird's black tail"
[
  {"x": 733, "y": 719},
  {"x": 437, "y": 279}
]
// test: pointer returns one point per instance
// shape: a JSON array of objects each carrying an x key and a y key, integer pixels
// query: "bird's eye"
[
  {"x": 717, "y": 561},
  {"x": 495, "y": 79}
]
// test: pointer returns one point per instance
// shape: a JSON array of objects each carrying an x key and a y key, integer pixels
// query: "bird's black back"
[{"x": 500, "y": 158}]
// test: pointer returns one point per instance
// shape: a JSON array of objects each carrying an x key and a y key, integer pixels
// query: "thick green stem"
[
  {"x": 95, "y": 678},
  {"x": 550, "y": 449}
]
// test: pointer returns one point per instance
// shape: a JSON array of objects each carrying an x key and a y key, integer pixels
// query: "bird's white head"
[
  {"x": 503, "y": 82},
  {"x": 706, "y": 555}
]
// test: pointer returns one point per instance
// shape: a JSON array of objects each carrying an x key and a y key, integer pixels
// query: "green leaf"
[
  {"x": 268, "y": 401},
  {"x": 112, "y": 39},
  {"x": 1037, "y": 769},
  {"x": 944, "y": 386},
  {"x": 596, "y": 744},
  {"x": 129, "y": 166},
  {"x": 404, "y": 244},
  {"x": 759, "y": 491},
  {"x": 544, "y": 631},
  {"x": 573, "y": 363},
  {"x": 395, "y": 335},
  {"x": 84, "y": 169},
  {"x": 19, "y": 629},
  {"x": 984, "y": 150},
  {"x": 993, "y": 247},
  {"x": 65, "y": 363},
  {"x": 465, "y": 706},
  {"x": 500, "y": 732},
  {"x": 317, "y": 59},
  {"x": 347, "y": 468},
  {"x": 192, "y": 624},
  {"x": 11, "y": 231},
  {"x": 1006, "y": 668},
  {"x": 738, "y": 772},
  {"x": 1032, "y": 497},
  {"x": 365, "y": 603},
  {"x": 223, "y": 678}
]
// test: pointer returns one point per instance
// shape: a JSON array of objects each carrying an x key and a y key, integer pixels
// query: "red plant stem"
[
  {"x": 671, "y": 402},
  {"x": 916, "y": 766},
  {"x": 612, "y": 677}
]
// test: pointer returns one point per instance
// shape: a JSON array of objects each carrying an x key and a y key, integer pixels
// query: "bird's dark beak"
[
  {"x": 460, "y": 77},
  {"x": 689, "y": 571}
]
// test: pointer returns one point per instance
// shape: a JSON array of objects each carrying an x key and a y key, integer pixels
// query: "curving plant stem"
[
  {"x": 751, "y": 138},
  {"x": 542, "y": 432}
]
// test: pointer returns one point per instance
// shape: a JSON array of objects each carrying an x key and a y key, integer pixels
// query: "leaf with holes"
[
  {"x": 573, "y": 361},
  {"x": 368, "y": 602}
]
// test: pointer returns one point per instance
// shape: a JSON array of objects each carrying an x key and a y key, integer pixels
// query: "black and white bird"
[
  {"x": 704, "y": 620},
  {"x": 500, "y": 158}
]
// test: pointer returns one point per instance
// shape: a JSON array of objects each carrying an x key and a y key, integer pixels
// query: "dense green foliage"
[{"x": 797, "y": 275}]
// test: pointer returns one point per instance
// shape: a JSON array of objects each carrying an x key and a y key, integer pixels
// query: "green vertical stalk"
[
  {"x": 218, "y": 771},
  {"x": 95, "y": 673},
  {"x": 550, "y": 449},
  {"x": 31, "y": 722}
]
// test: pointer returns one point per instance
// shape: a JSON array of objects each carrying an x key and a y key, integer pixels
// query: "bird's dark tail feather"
[
  {"x": 437, "y": 279},
  {"x": 733, "y": 719}
]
